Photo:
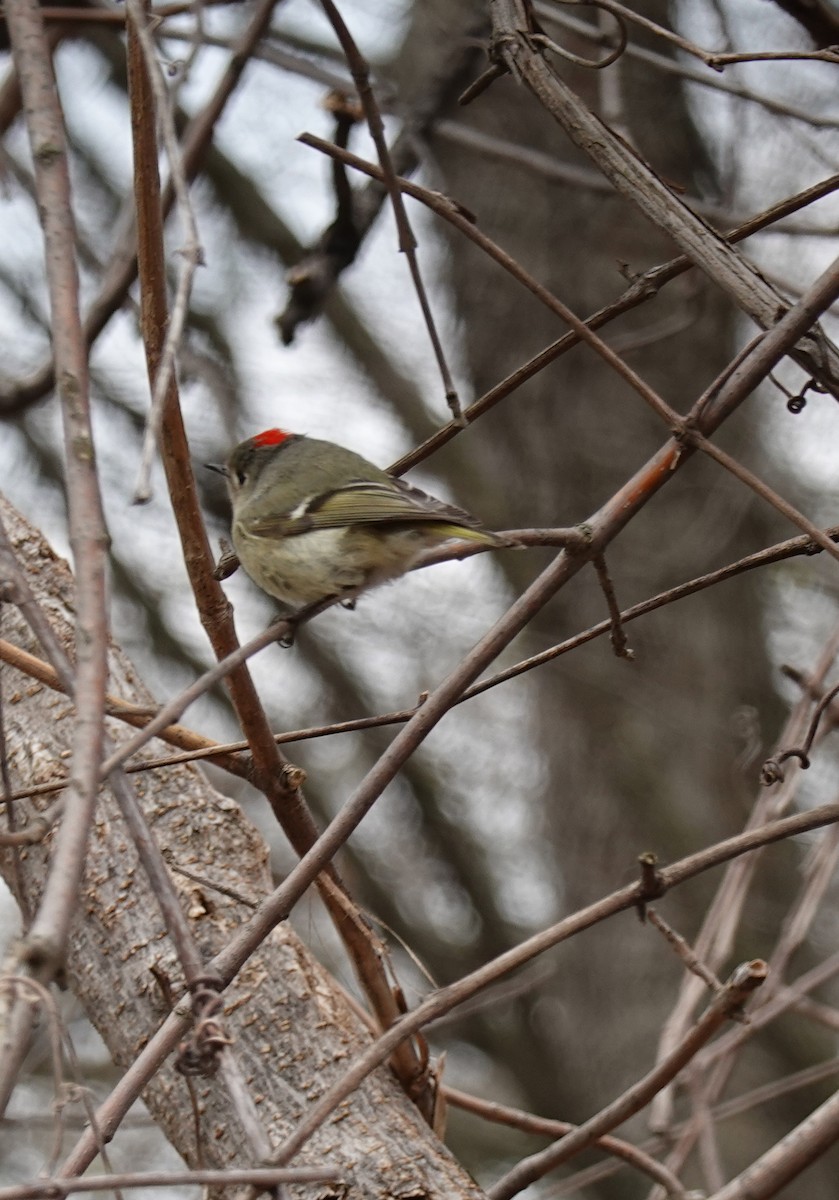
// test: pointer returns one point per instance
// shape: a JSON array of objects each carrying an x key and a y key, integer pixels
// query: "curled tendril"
[
  {"x": 771, "y": 771},
  {"x": 199, "y": 1054},
  {"x": 593, "y": 64},
  {"x": 795, "y": 404}
]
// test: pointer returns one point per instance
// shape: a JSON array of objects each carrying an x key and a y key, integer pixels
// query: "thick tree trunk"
[{"x": 294, "y": 1031}]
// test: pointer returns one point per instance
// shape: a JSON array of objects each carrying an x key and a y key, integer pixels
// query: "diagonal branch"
[
  {"x": 788, "y": 1157},
  {"x": 230, "y": 960},
  {"x": 727, "y": 1004},
  {"x": 639, "y": 184}
]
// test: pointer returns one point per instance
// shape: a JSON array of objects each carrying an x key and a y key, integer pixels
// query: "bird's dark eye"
[{"x": 240, "y": 475}]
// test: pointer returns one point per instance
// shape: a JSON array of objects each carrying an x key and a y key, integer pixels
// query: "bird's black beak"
[{"x": 218, "y": 469}]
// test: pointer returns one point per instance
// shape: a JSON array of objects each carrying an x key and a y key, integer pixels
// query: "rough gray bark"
[{"x": 294, "y": 1030}]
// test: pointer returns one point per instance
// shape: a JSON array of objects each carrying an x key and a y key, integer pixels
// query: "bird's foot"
[
  {"x": 227, "y": 563},
  {"x": 288, "y": 623},
  {"x": 285, "y": 625},
  {"x": 286, "y": 631}
]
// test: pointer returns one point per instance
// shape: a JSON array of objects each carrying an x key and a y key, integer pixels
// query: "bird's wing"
[{"x": 361, "y": 502}]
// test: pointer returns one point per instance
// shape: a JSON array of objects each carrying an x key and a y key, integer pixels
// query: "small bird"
[{"x": 313, "y": 520}]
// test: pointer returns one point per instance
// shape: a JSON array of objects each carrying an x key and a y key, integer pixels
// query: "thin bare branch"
[
  {"x": 675, "y": 66},
  {"x": 643, "y": 288},
  {"x": 466, "y": 225},
  {"x": 725, "y": 1005},
  {"x": 273, "y": 909},
  {"x": 45, "y": 944},
  {"x": 688, "y": 956},
  {"x": 360, "y": 72},
  {"x": 788, "y": 1157},
  {"x": 262, "y": 1177},
  {"x": 503, "y": 1114},
  {"x": 639, "y": 184},
  {"x": 191, "y": 254}
]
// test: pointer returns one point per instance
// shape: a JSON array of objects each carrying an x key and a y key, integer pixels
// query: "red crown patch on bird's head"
[{"x": 271, "y": 437}]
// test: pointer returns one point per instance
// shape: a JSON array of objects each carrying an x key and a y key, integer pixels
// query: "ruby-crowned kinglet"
[{"x": 313, "y": 520}]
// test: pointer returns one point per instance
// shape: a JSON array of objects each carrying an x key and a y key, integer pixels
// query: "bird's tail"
[{"x": 485, "y": 536}]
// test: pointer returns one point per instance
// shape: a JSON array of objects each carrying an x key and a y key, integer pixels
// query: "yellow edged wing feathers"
[{"x": 366, "y": 502}]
